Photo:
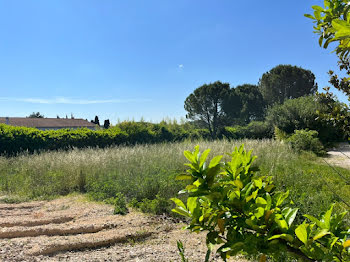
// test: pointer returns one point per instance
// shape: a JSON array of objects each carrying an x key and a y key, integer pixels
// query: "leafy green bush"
[
  {"x": 280, "y": 134},
  {"x": 306, "y": 140},
  {"x": 120, "y": 205},
  {"x": 303, "y": 113},
  {"x": 243, "y": 213},
  {"x": 254, "y": 130},
  {"x": 157, "y": 206}
]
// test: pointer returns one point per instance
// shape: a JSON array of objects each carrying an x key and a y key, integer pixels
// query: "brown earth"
[{"x": 73, "y": 229}]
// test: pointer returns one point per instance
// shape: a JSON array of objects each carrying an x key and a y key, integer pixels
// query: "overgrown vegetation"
[
  {"x": 243, "y": 213},
  {"x": 145, "y": 174},
  {"x": 14, "y": 140}
]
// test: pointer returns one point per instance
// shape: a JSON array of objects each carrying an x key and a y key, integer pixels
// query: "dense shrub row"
[{"x": 14, "y": 140}]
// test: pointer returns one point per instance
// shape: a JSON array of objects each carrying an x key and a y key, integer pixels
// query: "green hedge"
[{"x": 14, "y": 140}]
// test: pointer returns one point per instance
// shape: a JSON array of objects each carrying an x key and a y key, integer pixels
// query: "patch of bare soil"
[
  {"x": 72, "y": 229},
  {"x": 339, "y": 155}
]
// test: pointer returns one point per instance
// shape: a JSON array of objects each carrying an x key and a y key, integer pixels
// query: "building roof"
[{"x": 46, "y": 122}]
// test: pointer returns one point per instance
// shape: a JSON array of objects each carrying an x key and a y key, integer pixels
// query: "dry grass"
[{"x": 148, "y": 172}]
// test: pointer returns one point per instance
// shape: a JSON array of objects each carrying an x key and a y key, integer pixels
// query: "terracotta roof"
[{"x": 46, "y": 122}]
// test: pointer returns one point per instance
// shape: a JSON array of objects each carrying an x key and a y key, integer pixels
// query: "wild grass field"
[{"x": 145, "y": 174}]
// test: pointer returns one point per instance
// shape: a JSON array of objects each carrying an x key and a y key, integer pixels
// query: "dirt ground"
[
  {"x": 73, "y": 229},
  {"x": 339, "y": 155}
]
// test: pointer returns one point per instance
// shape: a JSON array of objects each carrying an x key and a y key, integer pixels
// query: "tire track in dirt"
[{"x": 73, "y": 229}]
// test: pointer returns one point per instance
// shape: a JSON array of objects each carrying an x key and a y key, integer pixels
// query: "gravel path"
[
  {"x": 339, "y": 156},
  {"x": 73, "y": 229}
]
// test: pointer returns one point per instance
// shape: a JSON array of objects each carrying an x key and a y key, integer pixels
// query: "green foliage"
[
  {"x": 286, "y": 82},
  {"x": 243, "y": 212},
  {"x": 157, "y": 206},
  {"x": 14, "y": 140},
  {"x": 332, "y": 24},
  {"x": 120, "y": 205},
  {"x": 254, "y": 130},
  {"x": 280, "y": 134},
  {"x": 306, "y": 140},
  {"x": 181, "y": 249},
  {"x": 303, "y": 113},
  {"x": 36, "y": 115},
  {"x": 205, "y": 105},
  {"x": 252, "y": 105}
]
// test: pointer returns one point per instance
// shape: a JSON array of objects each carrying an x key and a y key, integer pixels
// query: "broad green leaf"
[
  {"x": 309, "y": 16},
  {"x": 290, "y": 214},
  {"x": 191, "y": 204},
  {"x": 196, "y": 152},
  {"x": 317, "y": 8},
  {"x": 189, "y": 156},
  {"x": 301, "y": 233},
  {"x": 184, "y": 177},
  {"x": 215, "y": 161},
  {"x": 252, "y": 196},
  {"x": 190, "y": 187},
  {"x": 315, "y": 220},
  {"x": 281, "y": 198},
  {"x": 261, "y": 202},
  {"x": 287, "y": 237},
  {"x": 204, "y": 157},
  {"x": 178, "y": 202},
  {"x": 181, "y": 211},
  {"x": 198, "y": 182},
  {"x": 269, "y": 188},
  {"x": 282, "y": 224},
  {"x": 258, "y": 183},
  {"x": 269, "y": 201},
  {"x": 327, "y": 217},
  {"x": 238, "y": 183},
  {"x": 259, "y": 212},
  {"x": 321, "y": 234}
]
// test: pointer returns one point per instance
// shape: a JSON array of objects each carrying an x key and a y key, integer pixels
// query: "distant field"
[{"x": 147, "y": 172}]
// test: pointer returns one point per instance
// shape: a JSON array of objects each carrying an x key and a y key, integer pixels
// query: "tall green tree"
[
  {"x": 232, "y": 106},
  {"x": 252, "y": 103},
  {"x": 286, "y": 82},
  {"x": 205, "y": 105}
]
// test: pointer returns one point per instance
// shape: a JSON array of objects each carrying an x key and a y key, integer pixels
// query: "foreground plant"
[{"x": 244, "y": 214}]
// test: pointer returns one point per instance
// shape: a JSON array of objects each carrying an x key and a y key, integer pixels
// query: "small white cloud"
[
  {"x": 64, "y": 100},
  {"x": 181, "y": 66}
]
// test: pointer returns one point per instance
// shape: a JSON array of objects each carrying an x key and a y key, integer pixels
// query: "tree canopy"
[
  {"x": 252, "y": 103},
  {"x": 286, "y": 82},
  {"x": 205, "y": 105},
  {"x": 36, "y": 115}
]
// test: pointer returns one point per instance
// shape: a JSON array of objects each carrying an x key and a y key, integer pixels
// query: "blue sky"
[{"x": 132, "y": 59}]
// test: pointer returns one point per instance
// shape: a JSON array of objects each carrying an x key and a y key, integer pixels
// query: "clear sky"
[{"x": 131, "y": 59}]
